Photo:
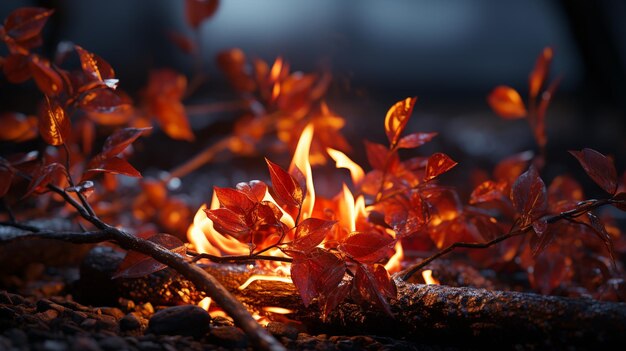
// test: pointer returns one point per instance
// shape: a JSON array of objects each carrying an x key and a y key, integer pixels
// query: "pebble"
[
  {"x": 279, "y": 330},
  {"x": 85, "y": 344},
  {"x": 130, "y": 322},
  {"x": 188, "y": 320}
]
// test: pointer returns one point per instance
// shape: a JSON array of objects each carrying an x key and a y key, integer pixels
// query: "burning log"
[{"x": 421, "y": 312}]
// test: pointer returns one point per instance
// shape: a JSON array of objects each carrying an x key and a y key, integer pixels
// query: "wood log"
[{"x": 444, "y": 315}]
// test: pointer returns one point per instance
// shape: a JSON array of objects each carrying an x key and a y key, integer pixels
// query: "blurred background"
[{"x": 448, "y": 53}]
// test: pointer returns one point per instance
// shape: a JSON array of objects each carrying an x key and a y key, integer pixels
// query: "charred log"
[{"x": 457, "y": 315}]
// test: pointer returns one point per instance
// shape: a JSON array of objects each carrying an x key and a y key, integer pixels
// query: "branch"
[{"x": 585, "y": 207}]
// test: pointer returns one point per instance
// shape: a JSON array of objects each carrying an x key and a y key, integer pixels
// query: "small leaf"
[
  {"x": 113, "y": 165},
  {"x": 316, "y": 273},
  {"x": 511, "y": 167},
  {"x": 107, "y": 107},
  {"x": 438, "y": 163},
  {"x": 415, "y": 140},
  {"x": 42, "y": 177},
  {"x": 540, "y": 72},
  {"x": 136, "y": 264},
  {"x": 334, "y": 297},
  {"x": 94, "y": 66},
  {"x": 255, "y": 189},
  {"x": 234, "y": 200},
  {"x": 183, "y": 42},
  {"x": 367, "y": 247},
  {"x": 227, "y": 222},
  {"x": 286, "y": 187},
  {"x": 163, "y": 95},
  {"x": 506, "y": 103},
  {"x": 600, "y": 231},
  {"x": 54, "y": 126},
  {"x": 599, "y": 167},
  {"x": 26, "y": 22},
  {"x": 117, "y": 142},
  {"x": 374, "y": 285},
  {"x": 488, "y": 191},
  {"x": 529, "y": 196},
  {"x": 310, "y": 233},
  {"x": 549, "y": 271},
  {"x": 376, "y": 155},
  {"x": 540, "y": 241},
  {"x": 396, "y": 119},
  {"x": 47, "y": 79},
  {"x": 196, "y": 11},
  {"x": 17, "y": 127},
  {"x": 16, "y": 68}
]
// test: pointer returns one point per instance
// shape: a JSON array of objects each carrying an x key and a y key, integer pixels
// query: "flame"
[
  {"x": 205, "y": 239},
  {"x": 428, "y": 277},
  {"x": 301, "y": 160},
  {"x": 277, "y": 310},
  {"x": 395, "y": 261},
  {"x": 205, "y": 303},
  {"x": 273, "y": 278},
  {"x": 276, "y": 69},
  {"x": 343, "y": 161}
]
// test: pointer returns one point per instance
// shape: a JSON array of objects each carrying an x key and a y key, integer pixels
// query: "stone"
[
  {"x": 85, "y": 344},
  {"x": 188, "y": 320},
  {"x": 279, "y": 330},
  {"x": 229, "y": 337},
  {"x": 130, "y": 322}
]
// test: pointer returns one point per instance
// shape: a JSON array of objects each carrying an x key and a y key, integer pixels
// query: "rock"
[
  {"x": 279, "y": 330},
  {"x": 229, "y": 337},
  {"x": 130, "y": 322},
  {"x": 85, "y": 344},
  {"x": 94, "y": 286},
  {"x": 112, "y": 311},
  {"x": 54, "y": 345},
  {"x": 113, "y": 343},
  {"x": 188, "y": 320}
]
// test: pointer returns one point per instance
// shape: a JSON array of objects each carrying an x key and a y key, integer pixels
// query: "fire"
[
  {"x": 343, "y": 161},
  {"x": 205, "y": 303},
  {"x": 301, "y": 160},
  {"x": 427, "y": 274}
]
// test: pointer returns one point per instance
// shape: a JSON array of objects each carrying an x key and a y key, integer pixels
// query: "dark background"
[{"x": 449, "y": 53}]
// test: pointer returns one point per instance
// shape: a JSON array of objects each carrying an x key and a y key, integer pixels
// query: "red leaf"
[
  {"x": 529, "y": 197},
  {"x": 377, "y": 155},
  {"x": 488, "y": 191},
  {"x": 506, "y": 103},
  {"x": 26, "y": 22},
  {"x": 47, "y": 79},
  {"x": 405, "y": 215},
  {"x": 415, "y": 139},
  {"x": 564, "y": 193},
  {"x": 544, "y": 102},
  {"x": 163, "y": 94},
  {"x": 599, "y": 167},
  {"x": 227, "y": 222},
  {"x": 255, "y": 189},
  {"x": 94, "y": 66},
  {"x": 540, "y": 241},
  {"x": 367, "y": 247},
  {"x": 310, "y": 233},
  {"x": 183, "y": 42},
  {"x": 107, "y": 107},
  {"x": 6, "y": 177},
  {"x": 286, "y": 187},
  {"x": 54, "y": 125},
  {"x": 437, "y": 164},
  {"x": 17, "y": 127},
  {"x": 234, "y": 200},
  {"x": 375, "y": 286},
  {"x": 511, "y": 167},
  {"x": 233, "y": 63},
  {"x": 540, "y": 72},
  {"x": 316, "y": 273},
  {"x": 331, "y": 300},
  {"x": 136, "y": 264},
  {"x": 549, "y": 271},
  {"x": 117, "y": 142},
  {"x": 114, "y": 165},
  {"x": 42, "y": 177},
  {"x": 600, "y": 231},
  {"x": 16, "y": 68},
  {"x": 396, "y": 119},
  {"x": 196, "y": 11}
]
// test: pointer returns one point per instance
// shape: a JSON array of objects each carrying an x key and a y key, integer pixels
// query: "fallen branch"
[{"x": 428, "y": 313}]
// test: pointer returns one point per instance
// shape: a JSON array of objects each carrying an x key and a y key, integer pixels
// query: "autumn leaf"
[
  {"x": 506, "y": 102},
  {"x": 54, "y": 125},
  {"x": 234, "y": 65},
  {"x": 511, "y": 167},
  {"x": 549, "y": 270},
  {"x": 163, "y": 99},
  {"x": 43, "y": 176},
  {"x": 377, "y": 155},
  {"x": 47, "y": 79},
  {"x": 183, "y": 42},
  {"x": 16, "y": 68},
  {"x": 600, "y": 231},
  {"x": 107, "y": 107},
  {"x": 17, "y": 127},
  {"x": 94, "y": 66},
  {"x": 310, "y": 233},
  {"x": 117, "y": 142},
  {"x": 286, "y": 187},
  {"x": 438, "y": 163},
  {"x": 375, "y": 286},
  {"x": 488, "y": 191},
  {"x": 599, "y": 167},
  {"x": 24, "y": 25},
  {"x": 414, "y": 140},
  {"x": 529, "y": 196},
  {"x": 540, "y": 72},
  {"x": 196, "y": 11},
  {"x": 228, "y": 222},
  {"x": 255, "y": 189},
  {"x": 113, "y": 165},
  {"x": 136, "y": 264},
  {"x": 316, "y": 273},
  {"x": 367, "y": 247},
  {"x": 234, "y": 200},
  {"x": 396, "y": 119}
]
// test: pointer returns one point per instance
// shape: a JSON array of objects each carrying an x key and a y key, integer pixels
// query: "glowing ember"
[
  {"x": 273, "y": 278},
  {"x": 277, "y": 310},
  {"x": 427, "y": 274},
  {"x": 205, "y": 303}
]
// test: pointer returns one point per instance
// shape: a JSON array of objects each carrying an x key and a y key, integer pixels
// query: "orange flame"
[
  {"x": 343, "y": 161},
  {"x": 301, "y": 160},
  {"x": 205, "y": 303},
  {"x": 428, "y": 277}
]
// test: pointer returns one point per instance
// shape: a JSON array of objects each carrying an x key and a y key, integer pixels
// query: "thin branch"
[
  {"x": 21, "y": 226},
  {"x": 199, "y": 159},
  {"x": 578, "y": 211},
  {"x": 91, "y": 237},
  {"x": 242, "y": 258}
]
